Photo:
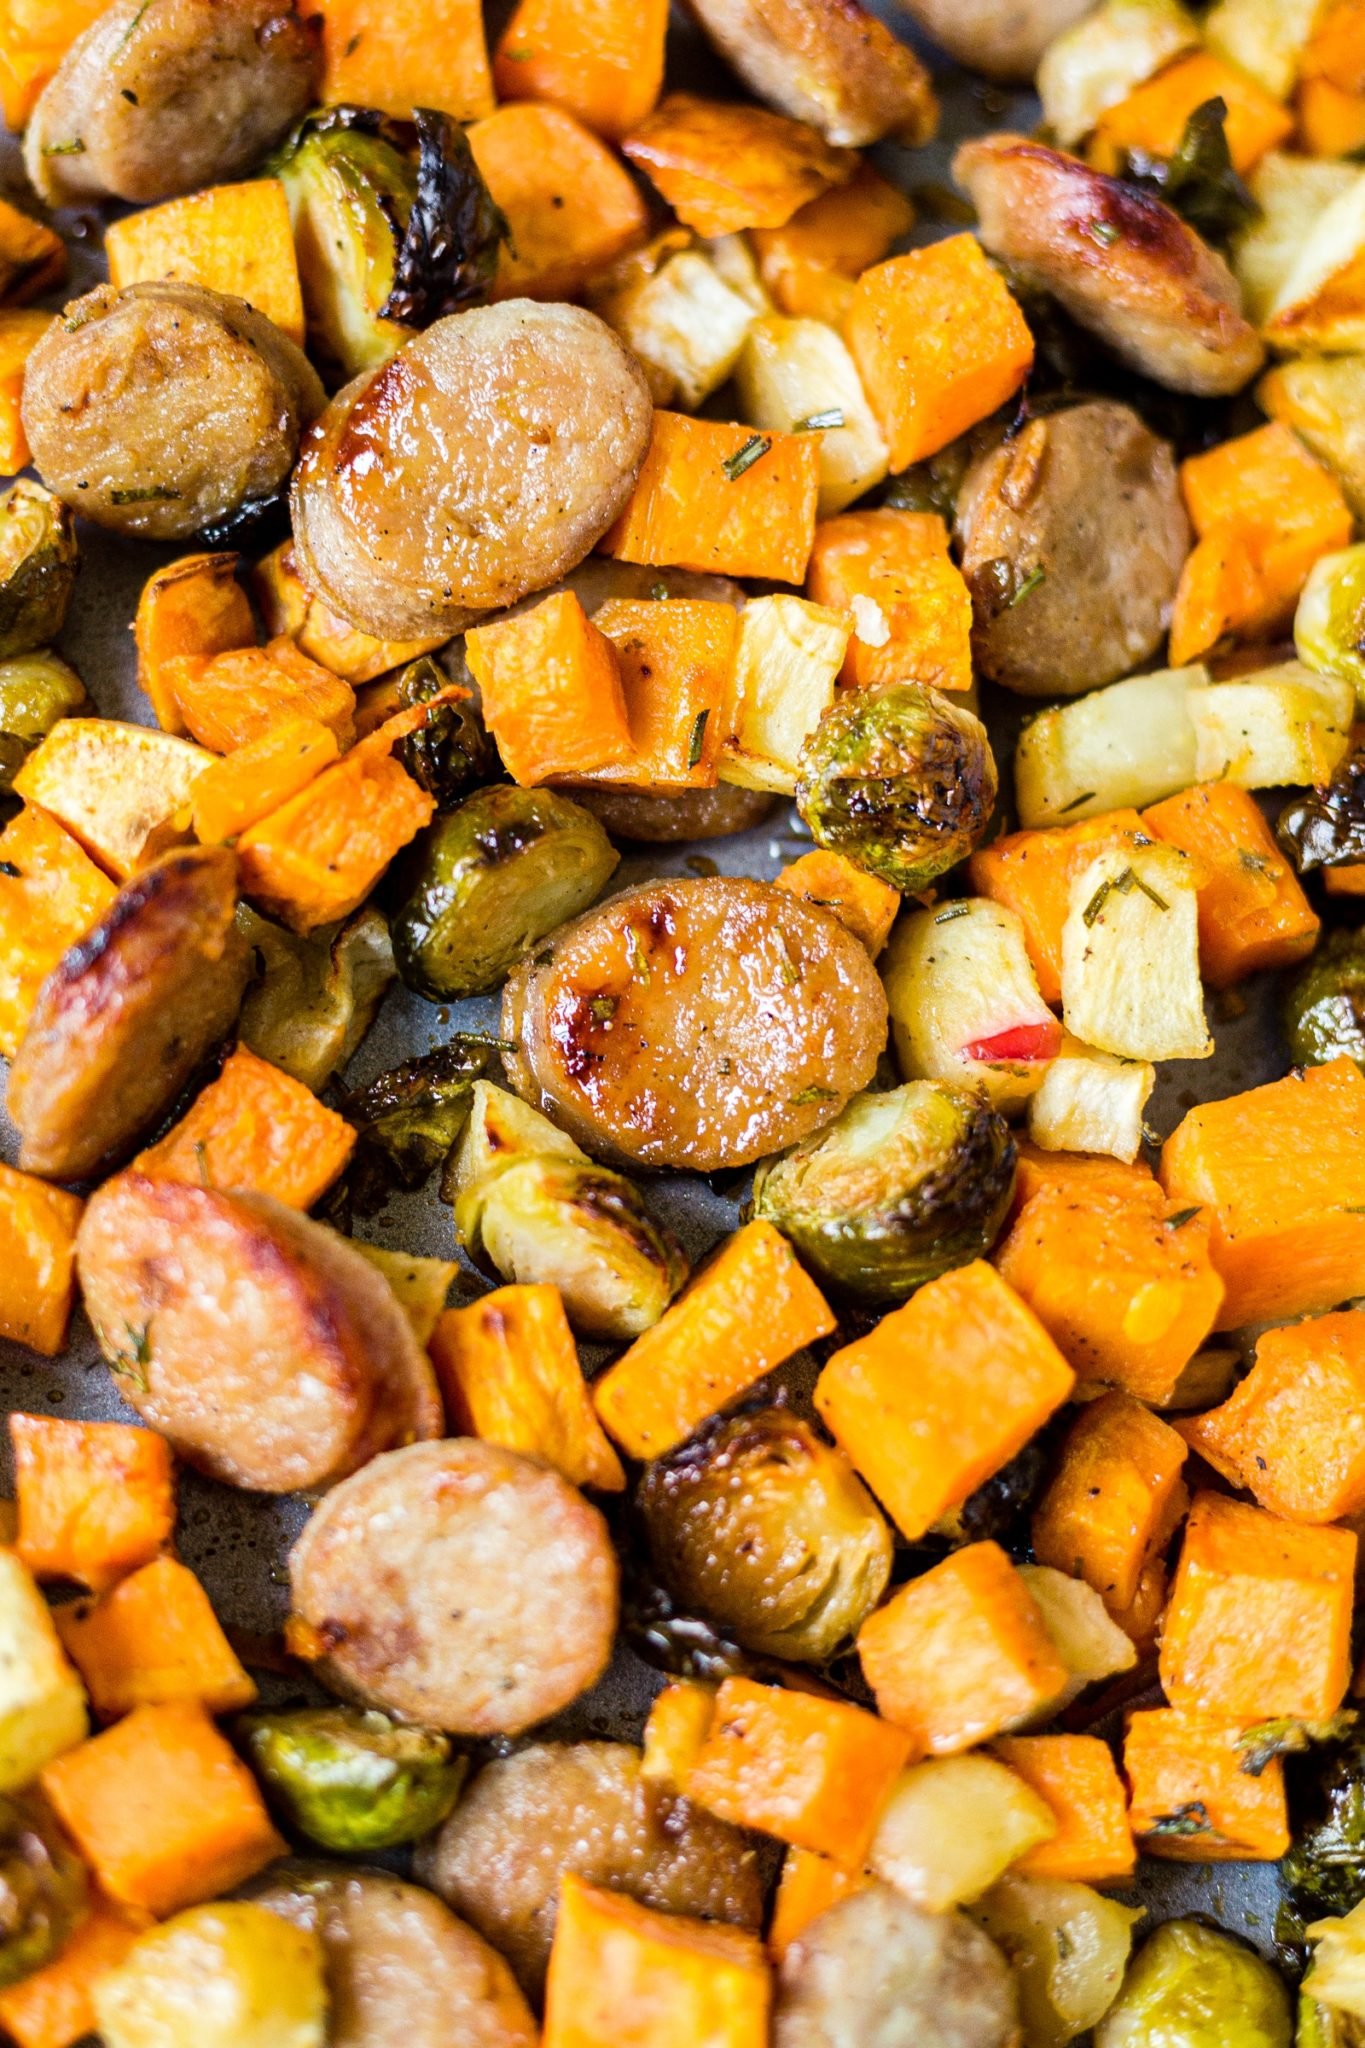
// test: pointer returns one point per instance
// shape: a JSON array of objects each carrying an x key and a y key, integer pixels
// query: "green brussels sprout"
[
  {"x": 1320, "y": 2027},
  {"x": 578, "y": 1227},
  {"x": 42, "y": 1887},
  {"x": 1329, "y": 625},
  {"x": 409, "y": 1117},
  {"x": 316, "y": 994},
  {"x": 1324, "y": 1872},
  {"x": 769, "y": 1533},
  {"x": 488, "y": 881},
  {"x": 35, "y": 691},
  {"x": 37, "y": 567},
  {"x": 900, "y": 1187},
  {"x": 901, "y": 780},
  {"x": 1191, "y": 1986},
  {"x": 1325, "y": 828},
  {"x": 352, "y": 1779},
  {"x": 452, "y": 754},
  {"x": 1324, "y": 1005},
  {"x": 393, "y": 224}
]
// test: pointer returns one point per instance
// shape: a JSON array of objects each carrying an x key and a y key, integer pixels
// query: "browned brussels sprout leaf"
[
  {"x": 409, "y": 1117},
  {"x": 1325, "y": 828},
  {"x": 1199, "y": 181},
  {"x": 450, "y": 247},
  {"x": 42, "y": 1887},
  {"x": 451, "y": 754}
]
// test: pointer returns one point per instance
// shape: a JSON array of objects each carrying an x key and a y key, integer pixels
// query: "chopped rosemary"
[
  {"x": 1036, "y": 575},
  {"x": 1182, "y": 1217},
  {"x": 602, "y": 1009},
  {"x": 132, "y": 1365},
  {"x": 698, "y": 739},
  {"x": 7, "y": 867},
  {"x": 791, "y": 973},
  {"x": 820, "y": 422},
  {"x": 1121, "y": 885},
  {"x": 201, "y": 1160},
  {"x": 953, "y": 910},
  {"x": 814, "y": 1093},
  {"x": 1190, "y": 1819},
  {"x": 76, "y": 148},
  {"x": 1104, "y": 232},
  {"x": 639, "y": 963},
  {"x": 1087, "y": 796},
  {"x": 1255, "y": 863},
  {"x": 754, "y": 449}
]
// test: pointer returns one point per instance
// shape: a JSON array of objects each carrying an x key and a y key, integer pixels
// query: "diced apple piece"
[
  {"x": 1263, "y": 37},
  {"x": 1091, "y": 1101},
  {"x": 686, "y": 325},
  {"x": 952, "y": 1827},
  {"x": 1292, "y": 193},
  {"x": 42, "y": 1702},
  {"x": 964, "y": 1001},
  {"x": 796, "y": 376},
  {"x": 1320, "y": 307},
  {"x": 1281, "y": 725},
  {"x": 1130, "y": 956},
  {"x": 787, "y": 663},
  {"x": 1125, "y": 746},
  {"x": 1105, "y": 56},
  {"x": 1091, "y": 1645}
]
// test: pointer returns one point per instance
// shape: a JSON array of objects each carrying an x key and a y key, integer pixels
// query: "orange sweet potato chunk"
[
  {"x": 289, "y": 607},
  {"x": 722, "y": 499},
  {"x": 1114, "y": 1500},
  {"x": 401, "y": 54},
  {"x": 552, "y": 692},
  {"x": 961, "y": 1653},
  {"x": 230, "y": 238},
  {"x": 32, "y": 256},
  {"x": 1123, "y": 1281},
  {"x": 723, "y": 166},
  {"x": 153, "y": 1637},
  {"x": 1031, "y": 873},
  {"x": 51, "y": 892},
  {"x": 813, "y": 1772},
  {"x": 1252, "y": 912},
  {"x": 863, "y": 902},
  {"x": 1078, "y": 1171},
  {"x": 602, "y": 60},
  {"x": 1331, "y": 122},
  {"x": 809, "y": 1886},
  {"x": 96, "y": 1499},
  {"x": 508, "y": 1371},
  {"x": 811, "y": 262},
  {"x": 1293, "y": 1431},
  {"x": 571, "y": 207},
  {"x": 231, "y": 699},
  {"x": 889, "y": 572},
  {"x": 254, "y": 1129},
  {"x": 678, "y": 1725},
  {"x": 923, "y": 1441},
  {"x": 21, "y": 329},
  {"x": 162, "y": 1810},
  {"x": 37, "y": 1259},
  {"x": 1190, "y": 1799},
  {"x": 1076, "y": 1775},
  {"x": 1153, "y": 116},
  {"x": 191, "y": 607},
  {"x": 1259, "y": 1621},
  {"x": 1280, "y": 1173},
  {"x": 741, "y": 1316},
  {"x": 675, "y": 658},
  {"x": 940, "y": 343},
  {"x": 53, "y": 2008},
  {"x": 246, "y": 785}
]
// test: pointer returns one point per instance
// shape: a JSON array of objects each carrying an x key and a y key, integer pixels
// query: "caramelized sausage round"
[
  {"x": 828, "y": 62},
  {"x": 459, "y": 1585},
  {"x": 402, "y": 1971},
  {"x": 128, "y": 1013},
  {"x": 1003, "y": 38},
  {"x": 1120, "y": 262},
  {"x": 164, "y": 96},
  {"x": 663, "y": 818},
  {"x": 482, "y": 462},
  {"x": 163, "y": 409},
  {"x": 695, "y": 1023},
  {"x": 269, "y": 1352},
  {"x": 582, "y": 1807},
  {"x": 1089, "y": 498}
]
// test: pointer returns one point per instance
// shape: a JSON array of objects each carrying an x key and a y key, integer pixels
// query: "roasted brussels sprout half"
[
  {"x": 452, "y": 754},
  {"x": 901, "y": 780},
  {"x": 1325, "y": 828},
  {"x": 1191, "y": 1986},
  {"x": 998, "y": 1511},
  {"x": 1329, "y": 625},
  {"x": 897, "y": 1189},
  {"x": 393, "y": 224},
  {"x": 350, "y": 1778},
  {"x": 42, "y": 1887},
  {"x": 1320, "y": 2027},
  {"x": 316, "y": 994},
  {"x": 37, "y": 567},
  {"x": 1324, "y": 1872},
  {"x": 1324, "y": 1005},
  {"x": 580, "y": 1228},
  {"x": 488, "y": 881},
  {"x": 409, "y": 1117},
  {"x": 769, "y": 1533},
  {"x": 35, "y": 691}
]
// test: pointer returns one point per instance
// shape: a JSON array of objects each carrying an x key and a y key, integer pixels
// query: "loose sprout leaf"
[
  {"x": 698, "y": 739},
  {"x": 820, "y": 422},
  {"x": 1182, "y": 1217},
  {"x": 451, "y": 754},
  {"x": 1325, "y": 828},
  {"x": 1199, "y": 180},
  {"x": 450, "y": 247},
  {"x": 1289, "y": 1737},
  {"x": 1036, "y": 576}
]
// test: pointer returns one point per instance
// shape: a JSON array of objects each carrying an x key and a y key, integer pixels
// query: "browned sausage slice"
[
  {"x": 163, "y": 96},
  {"x": 128, "y": 1013},
  {"x": 402, "y": 1971},
  {"x": 829, "y": 62},
  {"x": 664, "y": 818},
  {"x": 1003, "y": 38},
  {"x": 695, "y": 1023},
  {"x": 269, "y": 1352},
  {"x": 1120, "y": 262},
  {"x": 1091, "y": 500},
  {"x": 482, "y": 462},
  {"x": 164, "y": 408},
  {"x": 459, "y": 1585},
  {"x": 582, "y": 1807},
  {"x": 877, "y": 1972}
]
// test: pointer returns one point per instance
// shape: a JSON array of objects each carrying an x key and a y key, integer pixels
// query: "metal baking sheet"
[{"x": 238, "y": 1542}]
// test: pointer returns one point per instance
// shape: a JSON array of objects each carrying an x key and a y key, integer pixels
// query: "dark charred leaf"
[
  {"x": 454, "y": 231},
  {"x": 452, "y": 754},
  {"x": 1199, "y": 181},
  {"x": 1325, "y": 828},
  {"x": 409, "y": 1117}
]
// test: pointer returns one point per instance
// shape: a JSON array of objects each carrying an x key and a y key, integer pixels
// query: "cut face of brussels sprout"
[
  {"x": 952, "y": 1827},
  {"x": 42, "y": 1887},
  {"x": 409, "y": 1117},
  {"x": 1190, "y": 1986},
  {"x": 488, "y": 881},
  {"x": 35, "y": 691},
  {"x": 452, "y": 754},
  {"x": 901, "y": 780},
  {"x": 232, "y": 1975},
  {"x": 569, "y": 1224},
  {"x": 1324, "y": 1872},
  {"x": 900, "y": 1187},
  {"x": 501, "y": 1128},
  {"x": 1329, "y": 625},
  {"x": 770, "y": 1533},
  {"x": 37, "y": 567},
  {"x": 314, "y": 997},
  {"x": 1324, "y": 1007},
  {"x": 1069, "y": 1946},
  {"x": 353, "y": 1780},
  {"x": 1325, "y": 828}
]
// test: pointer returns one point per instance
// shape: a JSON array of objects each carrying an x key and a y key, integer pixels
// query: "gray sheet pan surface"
[{"x": 239, "y": 1542}]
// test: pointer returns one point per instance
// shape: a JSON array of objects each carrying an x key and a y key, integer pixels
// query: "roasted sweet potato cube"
[
  {"x": 722, "y": 499},
  {"x": 1114, "y": 1499},
  {"x": 37, "y": 1260},
  {"x": 1259, "y": 1621},
  {"x": 32, "y": 256},
  {"x": 53, "y": 2007},
  {"x": 288, "y": 606},
  {"x": 122, "y": 791},
  {"x": 831, "y": 241},
  {"x": 866, "y": 904},
  {"x": 194, "y": 606},
  {"x": 252, "y": 781},
  {"x": 1191, "y": 1801},
  {"x": 153, "y": 1637},
  {"x": 401, "y": 54},
  {"x": 1152, "y": 117},
  {"x": 679, "y": 1722},
  {"x": 1038, "y": 1169},
  {"x": 571, "y": 206},
  {"x": 603, "y": 60},
  {"x": 675, "y": 658},
  {"x": 1076, "y": 1775},
  {"x": 890, "y": 573},
  {"x": 552, "y": 692},
  {"x": 809, "y": 1886},
  {"x": 722, "y": 166},
  {"x": 233, "y": 698},
  {"x": 51, "y": 892},
  {"x": 230, "y": 238},
  {"x": 254, "y": 1129},
  {"x": 21, "y": 329},
  {"x": 96, "y": 1499},
  {"x": 1252, "y": 912}
]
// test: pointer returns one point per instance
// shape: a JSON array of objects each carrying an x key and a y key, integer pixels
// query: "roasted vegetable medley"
[{"x": 688, "y": 1033}]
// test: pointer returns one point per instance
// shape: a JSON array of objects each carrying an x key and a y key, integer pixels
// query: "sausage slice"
[
  {"x": 582, "y": 1807},
  {"x": 1121, "y": 263},
  {"x": 481, "y": 462},
  {"x": 459, "y": 1585},
  {"x": 695, "y": 1023},
  {"x": 270, "y": 1353},
  {"x": 828, "y": 62},
  {"x": 402, "y": 1971},
  {"x": 163, "y": 409},
  {"x": 1091, "y": 499},
  {"x": 163, "y": 96},
  {"x": 877, "y": 1972},
  {"x": 1003, "y": 38},
  {"x": 128, "y": 1013},
  {"x": 670, "y": 818}
]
